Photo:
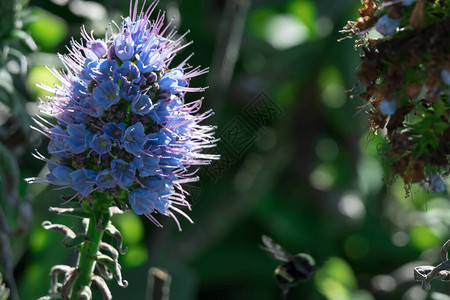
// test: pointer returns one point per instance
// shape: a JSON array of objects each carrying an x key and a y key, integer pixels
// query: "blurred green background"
[{"x": 297, "y": 163}]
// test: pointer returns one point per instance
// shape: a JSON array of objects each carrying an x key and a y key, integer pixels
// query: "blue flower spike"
[{"x": 121, "y": 99}]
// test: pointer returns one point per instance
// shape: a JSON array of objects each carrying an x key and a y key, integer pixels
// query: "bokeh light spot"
[
  {"x": 135, "y": 256},
  {"x": 327, "y": 149},
  {"x": 47, "y": 30},
  {"x": 422, "y": 237},
  {"x": 323, "y": 176},
  {"x": 356, "y": 247},
  {"x": 335, "y": 279},
  {"x": 130, "y": 225},
  {"x": 39, "y": 74},
  {"x": 284, "y": 31},
  {"x": 351, "y": 205}
]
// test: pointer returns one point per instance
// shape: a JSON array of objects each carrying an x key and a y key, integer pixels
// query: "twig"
[{"x": 427, "y": 273}]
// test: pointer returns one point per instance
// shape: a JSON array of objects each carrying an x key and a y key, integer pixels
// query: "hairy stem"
[{"x": 99, "y": 217}]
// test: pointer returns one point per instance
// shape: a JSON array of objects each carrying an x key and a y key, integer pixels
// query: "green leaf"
[
  {"x": 114, "y": 267},
  {"x": 114, "y": 232},
  {"x": 73, "y": 212},
  {"x": 6, "y": 87},
  {"x": 74, "y": 242},
  {"x": 25, "y": 38}
]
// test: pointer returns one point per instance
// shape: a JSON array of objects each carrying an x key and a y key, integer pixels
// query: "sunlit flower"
[
  {"x": 436, "y": 184},
  {"x": 445, "y": 76},
  {"x": 387, "y": 107},
  {"x": 123, "y": 126},
  {"x": 386, "y": 25}
]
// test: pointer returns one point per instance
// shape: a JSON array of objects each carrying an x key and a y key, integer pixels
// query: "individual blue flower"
[
  {"x": 169, "y": 163},
  {"x": 98, "y": 47},
  {"x": 59, "y": 175},
  {"x": 445, "y": 76},
  {"x": 130, "y": 72},
  {"x": 89, "y": 65},
  {"x": 101, "y": 143},
  {"x": 147, "y": 165},
  {"x": 134, "y": 138},
  {"x": 387, "y": 107},
  {"x": 114, "y": 131},
  {"x": 157, "y": 142},
  {"x": 69, "y": 116},
  {"x": 129, "y": 91},
  {"x": 124, "y": 46},
  {"x": 79, "y": 88},
  {"x": 387, "y": 26},
  {"x": 106, "y": 69},
  {"x": 158, "y": 112},
  {"x": 436, "y": 184},
  {"x": 159, "y": 185},
  {"x": 144, "y": 202},
  {"x": 141, "y": 105},
  {"x": 138, "y": 30},
  {"x": 151, "y": 58},
  {"x": 105, "y": 179},
  {"x": 106, "y": 94},
  {"x": 173, "y": 80},
  {"x": 57, "y": 145},
  {"x": 123, "y": 172},
  {"x": 83, "y": 181},
  {"x": 90, "y": 107},
  {"x": 79, "y": 137}
]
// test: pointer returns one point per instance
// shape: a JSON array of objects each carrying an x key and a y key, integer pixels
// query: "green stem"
[{"x": 89, "y": 248}]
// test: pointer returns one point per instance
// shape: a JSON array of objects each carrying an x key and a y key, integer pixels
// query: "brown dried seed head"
[{"x": 369, "y": 8}]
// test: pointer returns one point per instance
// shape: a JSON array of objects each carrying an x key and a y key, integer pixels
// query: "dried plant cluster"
[{"x": 406, "y": 75}]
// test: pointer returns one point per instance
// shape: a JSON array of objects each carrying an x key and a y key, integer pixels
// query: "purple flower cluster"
[{"x": 123, "y": 126}]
